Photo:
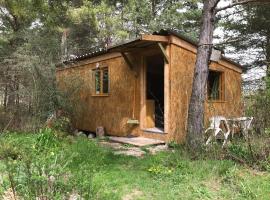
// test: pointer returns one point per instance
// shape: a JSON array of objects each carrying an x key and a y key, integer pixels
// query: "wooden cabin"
[{"x": 142, "y": 87}]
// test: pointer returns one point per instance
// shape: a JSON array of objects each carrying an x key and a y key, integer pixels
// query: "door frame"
[{"x": 143, "y": 90}]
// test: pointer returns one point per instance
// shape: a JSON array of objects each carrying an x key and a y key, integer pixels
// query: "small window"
[
  {"x": 215, "y": 85},
  {"x": 101, "y": 79}
]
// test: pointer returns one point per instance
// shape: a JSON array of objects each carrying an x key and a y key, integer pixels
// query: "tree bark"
[
  {"x": 154, "y": 8},
  {"x": 11, "y": 96},
  {"x": 196, "y": 105},
  {"x": 64, "y": 50},
  {"x": 268, "y": 55},
  {"x": 5, "y": 97}
]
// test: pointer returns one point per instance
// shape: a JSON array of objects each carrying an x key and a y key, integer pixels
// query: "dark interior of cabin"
[{"x": 155, "y": 87}]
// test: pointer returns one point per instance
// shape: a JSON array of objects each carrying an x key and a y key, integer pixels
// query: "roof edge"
[
  {"x": 192, "y": 41},
  {"x": 147, "y": 37}
]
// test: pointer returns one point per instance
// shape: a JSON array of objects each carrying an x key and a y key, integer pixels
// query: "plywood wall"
[
  {"x": 181, "y": 75},
  {"x": 112, "y": 111}
]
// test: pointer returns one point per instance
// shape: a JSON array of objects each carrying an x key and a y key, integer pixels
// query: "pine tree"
[{"x": 250, "y": 31}]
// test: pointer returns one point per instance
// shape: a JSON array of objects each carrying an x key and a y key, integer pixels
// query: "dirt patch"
[
  {"x": 8, "y": 195},
  {"x": 112, "y": 145},
  {"x": 74, "y": 196},
  {"x": 135, "y": 194},
  {"x": 131, "y": 151},
  {"x": 155, "y": 149},
  {"x": 213, "y": 184},
  {"x": 255, "y": 172}
]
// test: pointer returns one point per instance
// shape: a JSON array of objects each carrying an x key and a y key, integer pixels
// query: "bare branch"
[
  {"x": 229, "y": 41},
  {"x": 233, "y": 13},
  {"x": 241, "y": 3}
]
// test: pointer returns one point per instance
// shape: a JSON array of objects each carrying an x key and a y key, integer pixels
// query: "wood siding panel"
[
  {"x": 181, "y": 74},
  {"x": 110, "y": 111},
  {"x": 114, "y": 110},
  {"x": 231, "y": 106},
  {"x": 182, "y": 70}
]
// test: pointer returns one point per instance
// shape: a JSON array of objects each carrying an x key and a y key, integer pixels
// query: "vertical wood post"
[
  {"x": 143, "y": 93},
  {"x": 167, "y": 90}
]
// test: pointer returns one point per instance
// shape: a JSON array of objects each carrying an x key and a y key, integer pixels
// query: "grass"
[{"x": 96, "y": 173}]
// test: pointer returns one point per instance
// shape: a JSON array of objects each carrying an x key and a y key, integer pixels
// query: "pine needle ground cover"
[{"x": 49, "y": 166}]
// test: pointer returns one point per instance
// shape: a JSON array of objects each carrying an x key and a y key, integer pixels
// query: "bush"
[
  {"x": 38, "y": 172},
  {"x": 240, "y": 151},
  {"x": 62, "y": 124},
  {"x": 47, "y": 166},
  {"x": 258, "y": 106}
]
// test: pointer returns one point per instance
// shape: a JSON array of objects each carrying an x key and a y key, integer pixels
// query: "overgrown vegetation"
[
  {"x": 50, "y": 166},
  {"x": 37, "y": 35},
  {"x": 258, "y": 105}
]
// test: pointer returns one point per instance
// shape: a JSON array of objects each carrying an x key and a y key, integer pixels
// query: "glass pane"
[
  {"x": 215, "y": 88},
  {"x": 105, "y": 80},
  {"x": 97, "y": 82},
  {"x": 214, "y": 85}
]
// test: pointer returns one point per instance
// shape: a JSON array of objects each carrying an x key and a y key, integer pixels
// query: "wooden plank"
[
  {"x": 156, "y": 38},
  {"x": 184, "y": 44},
  {"x": 137, "y": 141},
  {"x": 229, "y": 65},
  {"x": 164, "y": 53},
  {"x": 167, "y": 92},
  {"x": 143, "y": 94},
  {"x": 130, "y": 64},
  {"x": 150, "y": 113}
]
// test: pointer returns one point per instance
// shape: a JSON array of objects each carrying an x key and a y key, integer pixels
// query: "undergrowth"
[{"x": 49, "y": 165}]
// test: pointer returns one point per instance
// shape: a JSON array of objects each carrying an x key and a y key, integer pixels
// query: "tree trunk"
[
  {"x": 64, "y": 50},
  {"x": 5, "y": 97},
  {"x": 268, "y": 55},
  {"x": 196, "y": 105},
  {"x": 154, "y": 8},
  {"x": 11, "y": 97}
]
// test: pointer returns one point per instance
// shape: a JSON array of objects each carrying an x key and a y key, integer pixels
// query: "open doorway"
[{"x": 155, "y": 93}]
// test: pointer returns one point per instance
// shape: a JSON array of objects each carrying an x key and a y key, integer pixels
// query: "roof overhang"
[
  {"x": 139, "y": 43},
  {"x": 143, "y": 42},
  {"x": 192, "y": 41}
]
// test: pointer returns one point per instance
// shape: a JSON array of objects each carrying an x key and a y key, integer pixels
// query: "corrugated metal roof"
[
  {"x": 94, "y": 52},
  {"x": 102, "y": 50}
]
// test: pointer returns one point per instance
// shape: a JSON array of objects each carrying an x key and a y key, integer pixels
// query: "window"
[
  {"x": 101, "y": 80},
  {"x": 215, "y": 85}
]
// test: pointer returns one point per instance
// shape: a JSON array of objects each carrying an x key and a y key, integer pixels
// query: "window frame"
[
  {"x": 221, "y": 93},
  {"x": 101, "y": 70}
]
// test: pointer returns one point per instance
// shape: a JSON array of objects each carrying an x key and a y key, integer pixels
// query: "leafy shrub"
[
  {"x": 47, "y": 139},
  {"x": 240, "y": 151},
  {"x": 258, "y": 106},
  {"x": 62, "y": 124},
  {"x": 174, "y": 145},
  {"x": 43, "y": 170},
  {"x": 9, "y": 151}
]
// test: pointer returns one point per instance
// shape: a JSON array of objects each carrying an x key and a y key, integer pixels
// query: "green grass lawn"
[{"x": 79, "y": 165}]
